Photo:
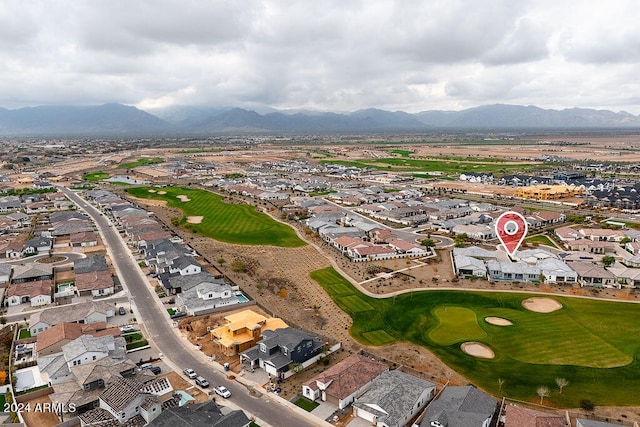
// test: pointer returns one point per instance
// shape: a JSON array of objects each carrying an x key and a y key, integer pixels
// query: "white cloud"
[{"x": 328, "y": 55}]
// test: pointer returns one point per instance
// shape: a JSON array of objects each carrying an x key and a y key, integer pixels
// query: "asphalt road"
[{"x": 153, "y": 318}]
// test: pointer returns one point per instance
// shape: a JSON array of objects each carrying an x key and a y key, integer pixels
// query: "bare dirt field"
[{"x": 38, "y": 416}]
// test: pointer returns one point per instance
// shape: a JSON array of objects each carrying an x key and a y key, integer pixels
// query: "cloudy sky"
[{"x": 338, "y": 55}]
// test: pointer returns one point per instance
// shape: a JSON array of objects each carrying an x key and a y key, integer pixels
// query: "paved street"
[{"x": 154, "y": 320}]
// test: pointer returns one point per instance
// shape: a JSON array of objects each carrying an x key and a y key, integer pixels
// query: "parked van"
[{"x": 202, "y": 382}]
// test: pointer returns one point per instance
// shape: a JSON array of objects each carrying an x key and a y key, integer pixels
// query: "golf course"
[
  {"x": 237, "y": 223},
  {"x": 592, "y": 344}
]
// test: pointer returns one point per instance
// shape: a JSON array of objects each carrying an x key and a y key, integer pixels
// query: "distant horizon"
[{"x": 266, "y": 109}]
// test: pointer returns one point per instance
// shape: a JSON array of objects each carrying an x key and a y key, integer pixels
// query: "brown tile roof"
[
  {"x": 94, "y": 280},
  {"x": 344, "y": 378},
  {"x": 120, "y": 392},
  {"x": 70, "y": 331},
  {"x": 32, "y": 289},
  {"x": 516, "y": 416}
]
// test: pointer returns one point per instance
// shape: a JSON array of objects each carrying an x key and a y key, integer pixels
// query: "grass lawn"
[
  {"x": 24, "y": 333},
  {"x": 145, "y": 161},
  {"x": 231, "y": 223},
  {"x": 591, "y": 343},
  {"x": 540, "y": 239},
  {"x": 95, "y": 176},
  {"x": 306, "y": 404}
]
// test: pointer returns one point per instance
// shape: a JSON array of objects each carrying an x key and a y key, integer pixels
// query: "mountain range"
[{"x": 122, "y": 120}]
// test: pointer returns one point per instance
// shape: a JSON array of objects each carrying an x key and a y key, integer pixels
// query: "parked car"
[
  {"x": 155, "y": 369},
  {"x": 202, "y": 382},
  {"x": 190, "y": 373},
  {"x": 122, "y": 311},
  {"x": 222, "y": 391},
  {"x": 145, "y": 366},
  {"x": 128, "y": 328}
]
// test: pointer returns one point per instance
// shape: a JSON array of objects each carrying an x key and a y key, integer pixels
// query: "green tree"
[
  {"x": 428, "y": 243},
  {"x": 460, "y": 240},
  {"x": 608, "y": 260}
]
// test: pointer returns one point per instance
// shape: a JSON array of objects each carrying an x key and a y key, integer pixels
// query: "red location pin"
[{"x": 511, "y": 229}]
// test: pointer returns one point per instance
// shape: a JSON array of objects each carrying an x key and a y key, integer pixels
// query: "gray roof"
[
  {"x": 31, "y": 270},
  {"x": 70, "y": 313},
  {"x": 90, "y": 264},
  {"x": 396, "y": 393},
  {"x": 192, "y": 280},
  {"x": 114, "y": 347},
  {"x": 464, "y": 406},
  {"x": 199, "y": 414},
  {"x": 5, "y": 268}
]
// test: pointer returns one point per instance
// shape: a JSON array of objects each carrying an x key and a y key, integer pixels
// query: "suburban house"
[
  {"x": 177, "y": 283},
  {"x": 200, "y": 414},
  {"x": 556, "y": 271},
  {"x": 85, "y": 312},
  {"x": 35, "y": 292},
  {"x": 513, "y": 271},
  {"x": 95, "y": 283},
  {"x": 343, "y": 382},
  {"x": 52, "y": 340},
  {"x": 581, "y": 422},
  {"x": 90, "y": 264},
  {"x": 590, "y": 274},
  {"x": 394, "y": 399},
  {"x": 123, "y": 401},
  {"x": 278, "y": 349},
  {"x": 83, "y": 239},
  {"x": 243, "y": 330},
  {"x": 461, "y": 406},
  {"x": 206, "y": 297},
  {"x": 55, "y": 368},
  {"x": 31, "y": 272},
  {"x": 517, "y": 416},
  {"x": 38, "y": 245},
  {"x": 467, "y": 266}
]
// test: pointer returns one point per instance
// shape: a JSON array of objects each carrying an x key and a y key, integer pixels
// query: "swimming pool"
[
  {"x": 242, "y": 298},
  {"x": 64, "y": 287},
  {"x": 184, "y": 397}
]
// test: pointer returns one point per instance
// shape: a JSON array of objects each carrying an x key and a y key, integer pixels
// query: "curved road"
[{"x": 155, "y": 321}]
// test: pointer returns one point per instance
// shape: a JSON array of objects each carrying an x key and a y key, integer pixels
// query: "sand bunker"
[
  {"x": 477, "y": 349},
  {"x": 183, "y": 198},
  {"x": 162, "y": 192},
  {"x": 498, "y": 321},
  {"x": 194, "y": 219},
  {"x": 541, "y": 305},
  {"x": 152, "y": 191}
]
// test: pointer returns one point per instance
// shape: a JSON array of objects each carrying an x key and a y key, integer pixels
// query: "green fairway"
[
  {"x": 231, "y": 223},
  {"x": 591, "y": 343},
  {"x": 95, "y": 176},
  {"x": 145, "y": 161},
  {"x": 447, "y": 166}
]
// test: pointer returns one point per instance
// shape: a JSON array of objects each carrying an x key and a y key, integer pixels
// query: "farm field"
[
  {"x": 231, "y": 223},
  {"x": 591, "y": 343}
]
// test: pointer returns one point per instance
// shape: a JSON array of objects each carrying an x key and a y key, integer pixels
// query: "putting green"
[{"x": 456, "y": 324}]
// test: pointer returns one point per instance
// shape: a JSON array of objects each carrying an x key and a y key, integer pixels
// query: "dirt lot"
[{"x": 37, "y": 417}]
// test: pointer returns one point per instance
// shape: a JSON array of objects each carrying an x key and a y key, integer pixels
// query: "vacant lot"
[
  {"x": 226, "y": 222},
  {"x": 590, "y": 343}
]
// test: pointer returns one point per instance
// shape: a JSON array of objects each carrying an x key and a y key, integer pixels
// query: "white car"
[
  {"x": 222, "y": 391},
  {"x": 190, "y": 373},
  {"x": 128, "y": 328}
]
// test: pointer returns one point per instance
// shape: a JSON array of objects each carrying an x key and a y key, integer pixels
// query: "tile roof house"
[
  {"x": 463, "y": 406},
  {"x": 243, "y": 330},
  {"x": 36, "y": 292},
  {"x": 581, "y": 422},
  {"x": 593, "y": 275},
  {"x": 38, "y": 245},
  {"x": 200, "y": 414},
  {"x": 84, "y": 312},
  {"x": 279, "y": 348},
  {"x": 513, "y": 271},
  {"x": 516, "y": 416},
  {"x": 83, "y": 239},
  {"x": 123, "y": 401},
  {"x": 31, "y": 272},
  {"x": 205, "y": 297},
  {"x": 343, "y": 382},
  {"x": 466, "y": 266},
  {"x": 394, "y": 399},
  {"x": 556, "y": 271},
  {"x": 96, "y": 283},
  {"x": 52, "y": 340}
]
